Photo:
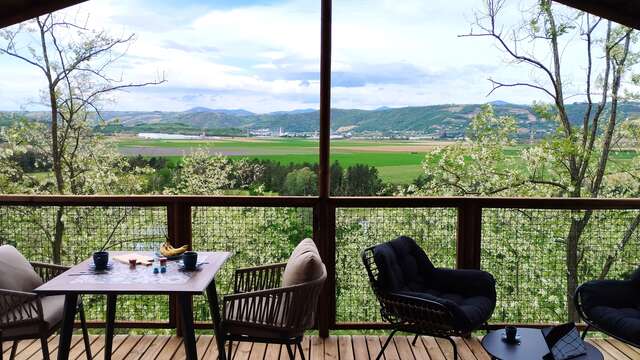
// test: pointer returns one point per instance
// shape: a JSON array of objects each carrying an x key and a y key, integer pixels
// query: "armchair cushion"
[
  {"x": 17, "y": 273},
  {"x": 402, "y": 265},
  {"x": 52, "y": 308},
  {"x": 469, "y": 313},
  {"x": 304, "y": 265},
  {"x": 610, "y": 293},
  {"x": 621, "y": 322}
]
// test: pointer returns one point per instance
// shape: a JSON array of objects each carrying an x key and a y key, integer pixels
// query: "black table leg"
[
  {"x": 70, "y": 306},
  {"x": 188, "y": 332},
  {"x": 214, "y": 308},
  {"x": 111, "y": 324}
]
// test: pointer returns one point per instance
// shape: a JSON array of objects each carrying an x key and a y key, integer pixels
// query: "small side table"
[{"x": 531, "y": 346}]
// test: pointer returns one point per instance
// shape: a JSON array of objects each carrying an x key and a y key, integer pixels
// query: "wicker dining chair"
[
  {"x": 418, "y": 298},
  {"x": 275, "y": 303},
  {"x": 25, "y": 314}
]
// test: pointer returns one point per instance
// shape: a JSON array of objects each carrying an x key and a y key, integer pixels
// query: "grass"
[{"x": 395, "y": 160}]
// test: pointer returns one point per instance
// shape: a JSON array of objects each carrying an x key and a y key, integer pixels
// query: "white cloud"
[{"x": 266, "y": 57}]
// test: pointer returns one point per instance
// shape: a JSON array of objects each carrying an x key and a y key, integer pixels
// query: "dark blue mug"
[
  {"x": 100, "y": 260},
  {"x": 510, "y": 333},
  {"x": 190, "y": 259}
]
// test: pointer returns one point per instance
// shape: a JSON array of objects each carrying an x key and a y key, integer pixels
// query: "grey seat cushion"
[
  {"x": 304, "y": 265},
  {"x": 52, "y": 308},
  {"x": 17, "y": 272}
]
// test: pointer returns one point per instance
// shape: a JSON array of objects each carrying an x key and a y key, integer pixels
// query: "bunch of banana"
[{"x": 169, "y": 251}]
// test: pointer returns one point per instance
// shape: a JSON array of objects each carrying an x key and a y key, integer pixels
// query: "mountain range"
[{"x": 436, "y": 120}]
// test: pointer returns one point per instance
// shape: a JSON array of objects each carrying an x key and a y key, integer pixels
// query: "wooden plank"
[
  {"x": 156, "y": 346},
  {"x": 169, "y": 349},
  {"x": 631, "y": 351},
  {"x": 97, "y": 344},
  {"x": 403, "y": 347},
  {"x": 117, "y": 341},
  {"x": 126, "y": 347},
  {"x": 202, "y": 343},
  {"x": 306, "y": 345},
  {"x": 78, "y": 351},
  {"x": 273, "y": 352},
  {"x": 31, "y": 350},
  {"x": 611, "y": 349},
  {"x": 21, "y": 346},
  {"x": 420, "y": 351},
  {"x": 373, "y": 345},
  {"x": 317, "y": 348},
  {"x": 434, "y": 350},
  {"x": 464, "y": 352},
  {"x": 331, "y": 351},
  {"x": 140, "y": 348},
  {"x": 390, "y": 353},
  {"x": 212, "y": 350},
  {"x": 345, "y": 348},
  {"x": 360, "y": 351},
  {"x": 606, "y": 355},
  {"x": 243, "y": 351},
  {"x": 477, "y": 349},
  {"x": 257, "y": 351}
]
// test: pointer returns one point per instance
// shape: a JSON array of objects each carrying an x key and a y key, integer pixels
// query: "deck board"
[{"x": 343, "y": 347}]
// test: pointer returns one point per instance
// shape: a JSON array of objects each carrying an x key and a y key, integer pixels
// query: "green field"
[{"x": 398, "y": 162}]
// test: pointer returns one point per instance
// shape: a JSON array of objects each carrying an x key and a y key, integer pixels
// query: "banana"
[{"x": 167, "y": 250}]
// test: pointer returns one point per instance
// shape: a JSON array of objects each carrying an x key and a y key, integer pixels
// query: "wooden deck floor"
[{"x": 138, "y": 347}]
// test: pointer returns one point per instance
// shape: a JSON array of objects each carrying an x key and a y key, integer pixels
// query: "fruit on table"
[{"x": 167, "y": 250}]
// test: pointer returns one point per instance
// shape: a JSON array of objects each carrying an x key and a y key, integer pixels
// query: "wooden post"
[
  {"x": 179, "y": 233},
  {"x": 469, "y": 235},
  {"x": 325, "y": 241}
]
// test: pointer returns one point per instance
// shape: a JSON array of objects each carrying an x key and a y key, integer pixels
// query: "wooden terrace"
[{"x": 343, "y": 347}]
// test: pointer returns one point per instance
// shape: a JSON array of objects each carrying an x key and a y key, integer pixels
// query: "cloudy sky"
[{"x": 263, "y": 55}]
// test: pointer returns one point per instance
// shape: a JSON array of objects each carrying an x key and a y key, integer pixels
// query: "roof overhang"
[
  {"x": 16, "y": 11},
  {"x": 625, "y": 12}
]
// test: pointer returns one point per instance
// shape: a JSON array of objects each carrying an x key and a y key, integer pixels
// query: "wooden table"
[{"x": 121, "y": 280}]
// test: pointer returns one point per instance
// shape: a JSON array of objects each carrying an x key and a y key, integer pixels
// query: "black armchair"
[
  {"x": 419, "y": 298},
  {"x": 611, "y": 306}
]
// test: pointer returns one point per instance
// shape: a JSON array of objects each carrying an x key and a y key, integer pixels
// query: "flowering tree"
[
  {"x": 75, "y": 63},
  {"x": 573, "y": 161}
]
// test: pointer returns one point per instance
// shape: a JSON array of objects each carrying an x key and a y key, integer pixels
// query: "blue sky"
[{"x": 264, "y": 55}]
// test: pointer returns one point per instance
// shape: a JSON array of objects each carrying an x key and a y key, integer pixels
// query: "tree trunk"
[
  {"x": 57, "y": 237},
  {"x": 573, "y": 259}
]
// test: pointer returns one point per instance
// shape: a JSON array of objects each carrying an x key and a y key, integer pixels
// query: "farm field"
[{"x": 397, "y": 161}]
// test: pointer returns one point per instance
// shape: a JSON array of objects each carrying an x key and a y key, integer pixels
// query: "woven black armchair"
[
  {"x": 612, "y": 307},
  {"x": 419, "y": 298}
]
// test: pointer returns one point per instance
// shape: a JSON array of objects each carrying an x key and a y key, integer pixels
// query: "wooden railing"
[{"x": 469, "y": 226}]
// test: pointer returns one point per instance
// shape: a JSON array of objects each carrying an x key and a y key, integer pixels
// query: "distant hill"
[
  {"x": 450, "y": 120},
  {"x": 234, "y": 112}
]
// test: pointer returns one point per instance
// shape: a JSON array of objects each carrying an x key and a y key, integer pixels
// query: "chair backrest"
[
  {"x": 399, "y": 264},
  {"x": 17, "y": 272}
]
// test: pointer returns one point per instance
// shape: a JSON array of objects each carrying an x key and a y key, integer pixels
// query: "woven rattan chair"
[
  {"x": 263, "y": 310},
  {"x": 612, "y": 307},
  {"x": 24, "y": 314},
  {"x": 418, "y": 298}
]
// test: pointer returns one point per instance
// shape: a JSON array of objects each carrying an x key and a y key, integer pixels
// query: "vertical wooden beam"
[
  {"x": 179, "y": 233},
  {"x": 325, "y": 241},
  {"x": 469, "y": 235}
]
